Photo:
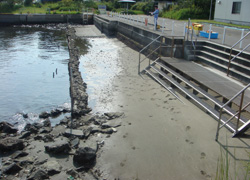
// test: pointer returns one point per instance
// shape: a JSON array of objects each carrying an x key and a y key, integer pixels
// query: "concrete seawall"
[
  {"x": 10, "y": 19},
  {"x": 138, "y": 37}
]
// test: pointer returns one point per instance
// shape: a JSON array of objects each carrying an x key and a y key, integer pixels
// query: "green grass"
[{"x": 219, "y": 23}]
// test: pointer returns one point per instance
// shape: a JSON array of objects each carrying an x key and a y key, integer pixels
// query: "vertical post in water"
[
  {"x": 210, "y": 31},
  {"x": 224, "y": 35},
  {"x": 72, "y": 98},
  {"x": 242, "y": 34}
]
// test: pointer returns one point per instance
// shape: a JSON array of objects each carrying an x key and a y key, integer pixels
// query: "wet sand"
[{"x": 160, "y": 137}]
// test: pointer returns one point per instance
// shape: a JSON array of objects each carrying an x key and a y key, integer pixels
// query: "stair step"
[
  {"x": 225, "y": 61},
  {"x": 202, "y": 104},
  {"x": 224, "y": 68},
  {"x": 245, "y": 61},
  {"x": 242, "y": 129},
  {"x": 201, "y": 91}
]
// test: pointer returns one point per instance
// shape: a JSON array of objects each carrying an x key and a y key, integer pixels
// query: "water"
[
  {"x": 29, "y": 57},
  {"x": 99, "y": 66}
]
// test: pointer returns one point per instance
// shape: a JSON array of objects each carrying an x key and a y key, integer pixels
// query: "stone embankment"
[{"x": 68, "y": 150}]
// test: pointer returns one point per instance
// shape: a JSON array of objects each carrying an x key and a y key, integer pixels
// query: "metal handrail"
[
  {"x": 139, "y": 64},
  {"x": 237, "y": 114},
  {"x": 140, "y": 52},
  {"x": 230, "y": 57}
]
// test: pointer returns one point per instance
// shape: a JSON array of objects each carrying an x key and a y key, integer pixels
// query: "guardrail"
[
  {"x": 230, "y": 57},
  {"x": 236, "y": 115}
]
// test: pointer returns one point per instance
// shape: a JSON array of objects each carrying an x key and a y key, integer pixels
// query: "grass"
[{"x": 219, "y": 23}]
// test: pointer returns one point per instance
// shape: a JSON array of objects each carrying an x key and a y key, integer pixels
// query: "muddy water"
[
  {"x": 99, "y": 66},
  {"x": 29, "y": 57}
]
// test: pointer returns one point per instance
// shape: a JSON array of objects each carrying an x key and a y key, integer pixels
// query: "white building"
[{"x": 233, "y": 11}]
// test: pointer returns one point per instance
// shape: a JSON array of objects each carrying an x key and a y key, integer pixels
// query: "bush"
[
  {"x": 38, "y": 5},
  {"x": 27, "y": 2},
  {"x": 185, "y": 13}
]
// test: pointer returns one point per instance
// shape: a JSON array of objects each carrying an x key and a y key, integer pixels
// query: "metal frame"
[
  {"x": 160, "y": 47},
  {"x": 238, "y": 114},
  {"x": 230, "y": 57}
]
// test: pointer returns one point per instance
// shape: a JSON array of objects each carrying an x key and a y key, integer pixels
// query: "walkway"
[{"x": 175, "y": 27}]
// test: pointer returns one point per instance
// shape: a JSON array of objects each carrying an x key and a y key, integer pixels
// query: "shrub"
[{"x": 27, "y": 2}]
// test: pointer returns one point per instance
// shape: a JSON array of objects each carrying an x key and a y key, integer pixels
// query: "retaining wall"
[
  {"x": 9, "y": 19},
  {"x": 139, "y": 37}
]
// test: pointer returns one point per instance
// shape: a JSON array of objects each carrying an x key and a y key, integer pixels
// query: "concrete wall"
[
  {"x": 7, "y": 19},
  {"x": 137, "y": 36},
  {"x": 223, "y": 12}
]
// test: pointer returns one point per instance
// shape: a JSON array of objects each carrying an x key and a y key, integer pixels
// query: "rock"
[
  {"x": 113, "y": 115},
  {"x": 72, "y": 173},
  {"x": 38, "y": 137},
  {"x": 74, "y": 132},
  {"x": 11, "y": 144},
  {"x": 48, "y": 138},
  {"x": 87, "y": 132},
  {"x": 27, "y": 160},
  {"x": 58, "y": 130},
  {"x": 31, "y": 128},
  {"x": 39, "y": 175},
  {"x": 44, "y": 115},
  {"x": 45, "y": 130},
  {"x": 111, "y": 124},
  {"x": 85, "y": 156},
  {"x": 46, "y": 123},
  {"x": 40, "y": 162},
  {"x": 60, "y": 146},
  {"x": 65, "y": 120},
  {"x": 55, "y": 113},
  {"x": 25, "y": 116},
  {"x": 75, "y": 142},
  {"x": 52, "y": 167},
  {"x": 7, "y": 128},
  {"x": 19, "y": 154},
  {"x": 99, "y": 130},
  {"x": 25, "y": 135},
  {"x": 12, "y": 169}
]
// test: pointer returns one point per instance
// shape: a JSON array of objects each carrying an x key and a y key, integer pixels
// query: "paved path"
[{"x": 231, "y": 37}]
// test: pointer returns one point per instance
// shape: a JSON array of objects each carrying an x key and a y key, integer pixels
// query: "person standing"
[{"x": 156, "y": 14}]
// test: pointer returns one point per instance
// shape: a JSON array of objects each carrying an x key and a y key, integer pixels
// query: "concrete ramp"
[{"x": 88, "y": 31}]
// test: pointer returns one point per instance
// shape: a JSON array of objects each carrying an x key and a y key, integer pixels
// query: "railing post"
[
  {"x": 210, "y": 31},
  {"x": 163, "y": 25},
  {"x": 224, "y": 35},
  {"x": 218, "y": 126},
  {"x": 229, "y": 62},
  {"x": 172, "y": 48},
  {"x": 188, "y": 28},
  {"x": 139, "y": 65},
  {"x": 172, "y": 28},
  {"x": 161, "y": 45},
  {"x": 184, "y": 30},
  {"x": 241, "y": 102},
  {"x": 242, "y": 34}
]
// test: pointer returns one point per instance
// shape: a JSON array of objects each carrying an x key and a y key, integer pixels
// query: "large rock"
[
  {"x": 11, "y": 144},
  {"x": 39, "y": 175},
  {"x": 74, "y": 132},
  {"x": 113, "y": 115},
  {"x": 7, "y": 128},
  {"x": 60, "y": 146},
  {"x": 53, "y": 167},
  {"x": 12, "y": 169},
  {"x": 85, "y": 156},
  {"x": 44, "y": 115}
]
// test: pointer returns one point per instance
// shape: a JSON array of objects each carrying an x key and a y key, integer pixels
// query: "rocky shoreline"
[{"x": 65, "y": 151}]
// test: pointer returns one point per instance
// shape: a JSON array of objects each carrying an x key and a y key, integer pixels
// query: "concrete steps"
[
  {"x": 217, "y": 56},
  {"x": 195, "y": 91}
]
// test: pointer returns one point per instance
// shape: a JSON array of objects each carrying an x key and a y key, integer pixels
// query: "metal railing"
[
  {"x": 236, "y": 115},
  {"x": 230, "y": 57},
  {"x": 162, "y": 38}
]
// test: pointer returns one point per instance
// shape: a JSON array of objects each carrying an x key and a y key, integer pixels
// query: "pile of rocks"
[{"x": 44, "y": 152}]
